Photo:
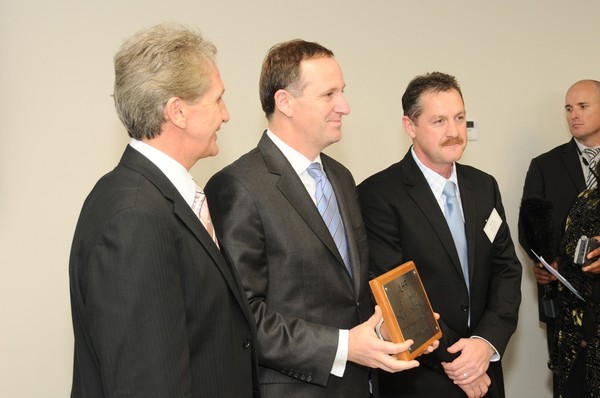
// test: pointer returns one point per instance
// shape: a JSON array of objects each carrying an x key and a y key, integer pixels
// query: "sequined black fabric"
[{"x": 584, "y": 219}]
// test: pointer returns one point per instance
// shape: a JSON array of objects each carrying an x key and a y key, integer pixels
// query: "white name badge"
[{"x": 492, "y": 225}]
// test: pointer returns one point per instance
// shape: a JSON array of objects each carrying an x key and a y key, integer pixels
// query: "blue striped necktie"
[{"x": 328, "y": 207}]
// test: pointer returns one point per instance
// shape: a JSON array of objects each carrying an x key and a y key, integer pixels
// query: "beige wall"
[{"x": 59, "y": 132}]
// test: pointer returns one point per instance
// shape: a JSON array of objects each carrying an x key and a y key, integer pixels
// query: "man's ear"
[
  {"x": 175, "y": 112},
  {"x": 409, "y": 126},
  {"x": 284, "y": 101}
]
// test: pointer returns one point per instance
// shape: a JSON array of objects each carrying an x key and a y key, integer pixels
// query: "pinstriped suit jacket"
[{"x": 157, "y": 312}]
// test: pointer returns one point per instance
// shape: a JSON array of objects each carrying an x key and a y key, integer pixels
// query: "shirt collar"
[
  {"x": 436, "y": 182},
  {"x": 172, "y": 169},
  {"x": 298, "y": 161},
  {"x": 582, "y": 147}
]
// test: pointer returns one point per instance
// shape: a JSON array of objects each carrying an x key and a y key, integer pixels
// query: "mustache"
[{"x": 453, "y": 141}]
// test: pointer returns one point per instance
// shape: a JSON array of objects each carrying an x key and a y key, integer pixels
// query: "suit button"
[
  {"x": 309, "y": 378},
  {"x": 464, "y": 308},
  {"x": 246, "y": 343}
]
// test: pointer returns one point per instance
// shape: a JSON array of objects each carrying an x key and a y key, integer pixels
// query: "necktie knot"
[
  {"x": 592, "y": 159},
  {"x": 591, "y": 153},
  {"x": 199, "y": 199},
  {"x": 449, "y": 189},
  {"x": 316, "y": 172},
  {"x": 200, "y": 208}
]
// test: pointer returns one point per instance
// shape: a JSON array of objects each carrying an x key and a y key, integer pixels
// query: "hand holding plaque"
[{"x": 406, "y": 310}]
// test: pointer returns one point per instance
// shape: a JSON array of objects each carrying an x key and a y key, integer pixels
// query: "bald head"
[{"x": 582, "y": 106}]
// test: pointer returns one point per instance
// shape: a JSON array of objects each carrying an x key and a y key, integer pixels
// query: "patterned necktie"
[
  {"x": 200, "y": 207},
  {"x": 457, "y": 226},
  {"x": 592, "y": 158},
  {"x": 328, "y": 207}
]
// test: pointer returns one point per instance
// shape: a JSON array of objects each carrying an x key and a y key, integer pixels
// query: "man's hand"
[
  {"x": 471, "y": 364},
  {"x": 365, "y": 348},
  {"x": 542, "y": 275},
  {"x": 384, "y": 333},
  {"x": 478, "y": 388}
]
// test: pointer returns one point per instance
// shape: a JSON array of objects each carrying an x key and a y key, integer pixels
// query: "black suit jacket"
[
  {"x": 157, "y": 312},
  {"x": 298, "y": 287},
  {"x": 404, "y": 222},
  {"x": 556, "y": 177}
]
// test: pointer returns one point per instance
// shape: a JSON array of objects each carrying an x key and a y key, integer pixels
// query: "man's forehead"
[
  {"x": 324, "y": 71},
  {"x": 583, "y": 92},
  {"x": 442, "y": 101}
]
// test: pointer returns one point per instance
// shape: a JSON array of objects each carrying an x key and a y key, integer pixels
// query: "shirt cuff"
[
  {"x": 341, "y": 355},
  {"x": 496, "y": 356}
]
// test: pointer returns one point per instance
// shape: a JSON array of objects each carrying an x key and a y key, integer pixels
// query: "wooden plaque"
[{"x": 407, "y": 312}]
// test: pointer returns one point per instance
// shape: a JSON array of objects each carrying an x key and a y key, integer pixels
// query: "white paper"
[
  {"x": 492, "y": 225},
  {"x": 558, "y": 276}
]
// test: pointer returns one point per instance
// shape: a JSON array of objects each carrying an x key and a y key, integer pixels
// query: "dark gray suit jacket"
[
  {"x": 298, "y": 287},
  {"x": 404, "y": 222},
  {"x": 157, "y": 312},
  {"x": 555, "y": 176}
]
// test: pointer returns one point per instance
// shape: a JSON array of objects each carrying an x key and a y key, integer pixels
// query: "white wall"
[{"x": 59, "y": 132}]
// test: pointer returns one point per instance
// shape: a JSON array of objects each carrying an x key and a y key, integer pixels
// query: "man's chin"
[
  {"x": 212, "y": 151},
  {"x": 455, "y": 152}
]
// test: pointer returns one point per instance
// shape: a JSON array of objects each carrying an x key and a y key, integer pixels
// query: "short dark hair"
[
  {"x": 281, "y": 68},
  {"x": 430, "y": 82}
]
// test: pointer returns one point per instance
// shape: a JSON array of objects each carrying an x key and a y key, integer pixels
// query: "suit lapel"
[
  {"x": 291, "y": 187},
  {"x": 469, "y": 204},
  {"x": 421, "y": 193},
  {"x": 341, "y": 196},
  {"x": 136, "y": 161},
  {"x": 571, "y": 162}
]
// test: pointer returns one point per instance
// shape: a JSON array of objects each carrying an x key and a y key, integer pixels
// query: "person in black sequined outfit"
[{"x": 576, "y": 357}]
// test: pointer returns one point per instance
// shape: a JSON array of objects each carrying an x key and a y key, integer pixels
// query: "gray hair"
[{"x": 154, "y": 65}]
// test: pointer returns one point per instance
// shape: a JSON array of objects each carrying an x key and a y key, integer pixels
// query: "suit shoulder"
[
  {"x": 245, "y": 164},
  {"x": 331, "y": 163},
  {"x": 384, "y": 176},
  {"x": 122, "y": 189},
  {"x": 473, "y": 173},
  {"x": 248, "y": 170},
  {"x": 553, "y": 153}
]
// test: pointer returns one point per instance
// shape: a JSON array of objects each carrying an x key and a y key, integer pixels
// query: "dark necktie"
[{"x": 592, "y": 157}]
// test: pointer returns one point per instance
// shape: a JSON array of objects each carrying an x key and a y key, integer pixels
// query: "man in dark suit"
[
  {"x": 157, "y": 312},
  {"x": 477, "y": 294},
  {"x": 553, "y": 181},
  {"x": 308, "y": 287}
]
